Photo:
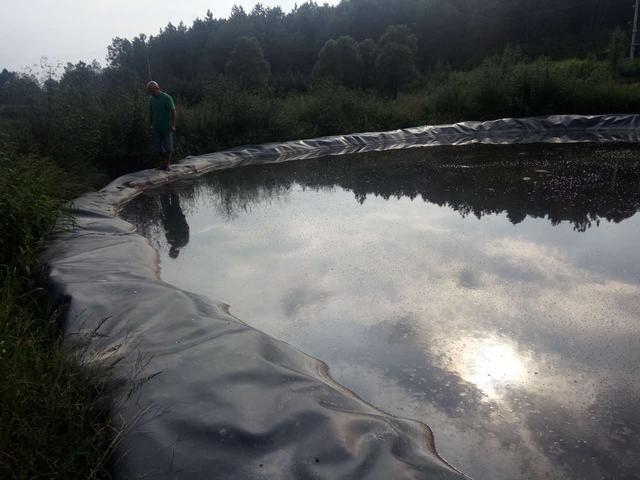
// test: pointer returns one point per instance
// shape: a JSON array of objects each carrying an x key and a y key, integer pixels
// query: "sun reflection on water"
[{"x": 491, "y": 364}]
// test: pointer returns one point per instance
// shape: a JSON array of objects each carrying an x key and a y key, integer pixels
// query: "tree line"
[{"x": 459, "y": 33}]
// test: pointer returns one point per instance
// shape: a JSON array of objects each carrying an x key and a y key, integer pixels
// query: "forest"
[
  {"x": 458, "y": 33},
  {"x": 256, "y": 76}
]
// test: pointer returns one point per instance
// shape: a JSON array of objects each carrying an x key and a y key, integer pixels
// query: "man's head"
[{"x": 153, "y": 88}]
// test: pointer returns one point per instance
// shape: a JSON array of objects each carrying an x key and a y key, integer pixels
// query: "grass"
[{"x": 54, "y": 420}]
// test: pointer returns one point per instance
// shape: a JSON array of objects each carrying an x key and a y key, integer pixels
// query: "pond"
[{"x": 492, "y": 293}]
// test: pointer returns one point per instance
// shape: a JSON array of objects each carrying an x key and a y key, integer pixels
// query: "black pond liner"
[{"x": 212, "y": 397}]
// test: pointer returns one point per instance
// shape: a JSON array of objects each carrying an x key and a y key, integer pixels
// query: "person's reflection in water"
[{"x": 175, "y": 225}]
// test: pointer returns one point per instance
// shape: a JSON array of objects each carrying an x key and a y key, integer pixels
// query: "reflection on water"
[
  {"x": 176, "y": 228},
  {"x": 490, "y": 364},
  {"x": 492, "y": 293}
]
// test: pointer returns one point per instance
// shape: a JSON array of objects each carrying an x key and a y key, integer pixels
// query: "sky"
[{"x": 73, "y": 30}]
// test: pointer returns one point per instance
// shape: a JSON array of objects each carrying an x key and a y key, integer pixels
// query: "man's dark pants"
[{"x": 162, "y": 142}]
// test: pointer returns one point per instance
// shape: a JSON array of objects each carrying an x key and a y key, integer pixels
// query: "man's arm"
[
  {"x": 173, "y": 119},
  {"x": 150, "y": 113}
]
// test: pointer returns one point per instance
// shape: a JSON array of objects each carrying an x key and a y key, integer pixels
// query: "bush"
[
  {"x": 332, "y": 110},
  {"x": 515, "y": 86},
  {"x": 228, "y": 116},
  {"x": 54, "y": 419},
  {"x": 629, "y": 69},
  {"x": 31, "y": 193}
]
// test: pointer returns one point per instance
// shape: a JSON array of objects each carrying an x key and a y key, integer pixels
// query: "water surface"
[{"x": 490, "y": 292}]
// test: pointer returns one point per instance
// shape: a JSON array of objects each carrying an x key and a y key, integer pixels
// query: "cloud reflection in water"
[
  {"x": 490, "y": 364},
  {"x": 503, "y": 312}
]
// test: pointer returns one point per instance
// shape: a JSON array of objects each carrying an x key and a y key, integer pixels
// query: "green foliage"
[
  {"x": 18, "y": 93},
  {"x": 395, "y": 64},
  {"x": 31, "y": 192},
  {"x": 368, "y": 50},
  {"x": 460, "y": 33},
  {"x": 617, "y": 48},
  {"x": 247, "y": 65},
  {"x": 340, "y": 61},
  {"x": 395, "y": 67},
  {"x": 27, "y": 209},
  {"x": 629, "y": 69},
  {"x": 91, "y": 118},
  {"x": 55, "y": 410},
  {"x": 54, "y": 420},
  {"x": 400, "y": 35},
  {"x": 501, "y": 87},
  {"x": 331, "y": 109},
  {"x": 227, "y": 116},
  {"x": 73, "y": 114},
  {"x": 390, "y": 64},
  {"x": 124, "y": 121}
]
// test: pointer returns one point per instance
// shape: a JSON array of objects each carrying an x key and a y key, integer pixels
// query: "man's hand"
[{"x": 173, "y": 128}]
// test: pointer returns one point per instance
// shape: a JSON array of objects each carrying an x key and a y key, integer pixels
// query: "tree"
[
  {"x": 130, "y": 55},
  {"x": 119, "y": 52},
  {"x": 368, "y": 50},
  {"x": 340, "y": 60},
  {"x": 454, "y": 32},
  {"x": 401, "y": 35},
  {"x": 247, "y": 65},
  {"x": 396, "y": 60},
  {"x": 617, "y": 47},
  {"x": 395, "y": 67},
  {"x": 82, "y": 78},
  {"x": 6, "y": 76}
]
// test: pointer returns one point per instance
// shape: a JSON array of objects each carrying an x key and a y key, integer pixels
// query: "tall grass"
[{"x": 54, "y": 414}]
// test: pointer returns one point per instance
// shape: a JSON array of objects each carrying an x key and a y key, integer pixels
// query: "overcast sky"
[{"x": 72, "y": 30}]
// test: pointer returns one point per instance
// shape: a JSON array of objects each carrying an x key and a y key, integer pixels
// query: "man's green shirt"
[{"x": 161, "y": 108}]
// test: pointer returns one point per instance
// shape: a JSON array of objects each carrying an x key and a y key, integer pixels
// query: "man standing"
[{"x": 163, "y": 123}]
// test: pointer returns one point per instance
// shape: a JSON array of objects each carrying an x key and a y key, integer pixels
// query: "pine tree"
[{"x": 247, "y": 65}]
